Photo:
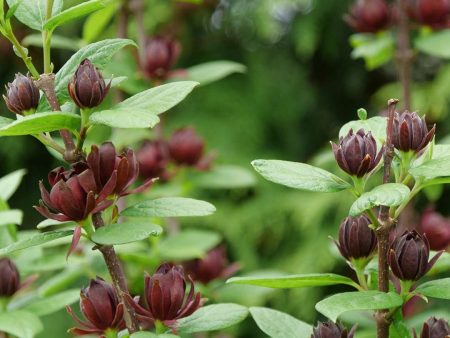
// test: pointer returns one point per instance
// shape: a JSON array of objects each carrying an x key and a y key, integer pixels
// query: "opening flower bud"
[
  {"x": 186, "y": 147},
  {"x": 152, "y": 157},
  {"x": 161, "y": 54},
  {"x": 22, "y": 95},
  {"x": 331, "y": 330},
  {"x": 435, "y": 328},
  {"x": 356, "y": 154},
  {"x": 410, "y": 132},
  {"x": 433, "y": 13},
  {"x": 437, "y": 229},
  {"x": 369, "y": 16},
  {"x": 9, "y": 277},
  {"x": 87, "y": 87}
]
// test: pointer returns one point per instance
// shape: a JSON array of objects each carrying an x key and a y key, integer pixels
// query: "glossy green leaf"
[
  {"x": 4, "y": 121},
  {"x": 58, "y": 41},
  {"x": 224, "y": 177},
  {"x": 435, "y": 44},
  {"x": 376, "y": 125},
  {"x": 41, "y": 122},
  {"x": 11, "y": 217},
  {"x": 389, "y": 194},
  {"x": 299, "y": 175},
  {"x": 35, "y": 240},
  {"x": 295, "y": 281},
  {"x": 125, "y": 118},
  {"x": 438, "y": 167},
  {"x": 208, "y": 72},
  {"x": 125, "y": 233},
  {"x": 277, "y": 324},
  {"x": 43, "y": 306},
  {"x": 96, "y": 23},
  {"x": 60, "y": 282},
  {"x": 212, "y": 318},
  {"x": 9, "y": 183},
  {"x": 32, "y": 13},
  {"x": 438, "y": 288},
  {"x": 337, "y": 304},
  {"x": 20, "y": 323},
  {"x": 170, "y": 207},
  {"x": 73, "y": 13},
  {"x": 52, "y": 223}
]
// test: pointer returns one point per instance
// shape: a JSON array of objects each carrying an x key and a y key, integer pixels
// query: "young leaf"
[
  {"x": 337, "y": 304},
  {"x": 125, "y": 233},
  {"x": 41, "y": 122},
  {"x": 389, "y": 194},
  {"x": 73, "y": 13},
  {"x": 20, "y": 323},
  {"x": 376, "y": 125},
  {"x": 11, "y": 217},
  {"x": 96, "y": 23},
  {"x": 32, "y": 13},
  {"x": 439, "y": 167},
  {"x": 208, "y": 72},
  {"x": 125, "y": 118},
  {"x": 438, "y": 288},
  {"x": 295, "y": 281},
  {"x": 170, "y": 207},
  {"x": 435, "y": 44},
  {"x": 42, "y": 306},
  {"x": 212, "y": 318},
  {"x": 10, "y": 183},
  {"x": 35, "y": 240},
  {"x": 277, "y": 324},
  {"x": 299, "y": 175}
]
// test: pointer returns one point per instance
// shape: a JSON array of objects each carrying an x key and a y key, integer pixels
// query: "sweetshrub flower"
[
  {"x": 435, "y": 328},
  {"x": 22, "y": 95},
  {"x": 331, "y": 330},
  {"x": 410, "y": 132},
  {"x": 9, "y": 277},
  {"x": 369, "y": 16},
  {"x": 161, "y": 54}
]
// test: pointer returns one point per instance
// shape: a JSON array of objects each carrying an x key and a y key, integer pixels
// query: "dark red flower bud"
[
  {"x": 9, "y": 277},
  {"x": 161, "y": 54},
  {"x": 356, "y": 239},
  {"x": 408, "y": 256},
  {"x": 435, "y": 328},
  {"x": 357, "y": 153},
  {"x": 114, "y": 172},
  {"x": 153, "y": 157},
  {"x": 213, "y": 266},
  {"x": 186, "y": 147},
  {"x": 21, "y": 95},
  {"x": 331, "y": 330},
  {"x": 165, "y": 296},
  {"x": 87, "y": 87},
  {"x": 369, "y": 16},
  {"x": 437, "y": 229},
  {"x": 101, "y": 309},
  {"x": 434, "y": 13},
  {"x": 411, "y": 132}
]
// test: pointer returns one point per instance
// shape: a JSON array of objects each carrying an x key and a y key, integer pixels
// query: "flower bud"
[
  {"x": 87, "y": 87},
  {"x": 410, "y": 132},
  {"x": 165, "y": 296},
  {"x": 434, "y": 13},
  {"x": 152, "y": 157},
  {"x": 408, "y": 256},
  {"x": 21, "y": 95},
  {"x": 186, "y": 147},
  {"x": 369, "y": 16},
  {"x": 331, "y": 330},
  {"x": 356, "y": 238},
  {"x": 161, "y": 54},
  {"x": 101, "y": 309},
  {"x": 357, "y": 153},
  {"x": 435, "y": 328},
  {"x": 437, "y": 229},
  {"x": 9, "y": 278},
  {"x": 213, "y": 266}
]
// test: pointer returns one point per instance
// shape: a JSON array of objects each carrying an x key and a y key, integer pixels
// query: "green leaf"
[
  {"x": 389, "y": 194},
  {"x": 299, "y": 175},
  {"x": 60, "y": 282},
  {"x": 439, "y": 167},
  {"x": 188, "y": 244},
  {"x": 11, "y": 217},
  {"x": 41, "y": 122},
  {"x": 32, "y": 13},
  {"x": 125, "y": 118},
  {"x": 43, "y": 306},
  {"x": 376, "y": 50},
  {"x": 96, "y": 23},
  {"x": 438, "y": 288},
  {"x": 4, "y": 121},
  {"x": 74, "y": 12},
  {"x": 58, "y": 41},
  {"x": 208, "y": 72},
  {"x": 376, "y": 125},
  {"x": 35, "y": 240},
  {"x": 20, "y": 323},
  {"x": 295, "y": 281},
  {"x": 337, "y": 304},
  {"x": 224, "y": 177},
  {"x": 11, "y": 11},
  {"x": 212, "y": 318},
  {"x": 125, "y": 233},
  {"x": 51, "y": 222},
  {"x": 170, "y": 207},
  {"x": 143, "y": 334},
  {"x": 277, "y": 324},
  {"x": 10, "y": 183},
  {"x": 435, "y": 44}
]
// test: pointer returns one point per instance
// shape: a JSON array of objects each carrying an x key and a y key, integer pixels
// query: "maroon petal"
[{"x": 75, "y": 239}]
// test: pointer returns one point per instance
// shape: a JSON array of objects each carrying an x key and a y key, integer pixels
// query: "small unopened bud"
[
  {"x": 332, "y": 330},
  {"x": 9, "y": 278},
  {"x": 186, "y": 147},
  {"x": 410, "y": 132},
  {"x": 369, "y": 16},
  {"x": 433, "y": 13},
  {"x": 437, "y": 229},
  {"x": 152, "y": 157},
  {"x": 22, "y": 95},
  {"x": 161, "y": 54},
  {"x": 435, "y": 328}
]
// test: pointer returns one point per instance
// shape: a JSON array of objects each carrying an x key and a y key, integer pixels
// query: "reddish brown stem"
[{"x": 118, "y": 277}]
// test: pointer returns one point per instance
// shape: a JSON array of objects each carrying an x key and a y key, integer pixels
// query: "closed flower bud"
[
  {"x": 9, "y": 278},
  {"x": 408, "y": 256},
  {"x": 213, "y": 266},
  {"x": 165, "y": 296},
  {"x": 101, "y": 309},
  {"x": 186, "y": 147},
  {"x": 410, "y": 132},
  {"x": 331, "y": 330},
  {"x": 356, "y": 154},
  {"x": 369, "y": 16},
  {"x": 152, "y": 157},
  {"x": 356, "y": 239},
  {"x": 437, "y": 229},
  {"x": 21, "y": 95},
  {"x": 435, "y": 328},
  {"x": 87, "y": 87},
  {"x": 433, "y": 13},
  {"x": 161, "y": 54}
]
